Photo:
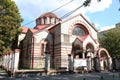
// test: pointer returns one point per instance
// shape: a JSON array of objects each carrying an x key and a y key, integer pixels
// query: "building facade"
[{"x": 56, "y": 43}]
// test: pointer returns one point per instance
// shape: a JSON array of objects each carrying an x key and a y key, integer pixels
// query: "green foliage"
[
  {"x": 111, "y": 41},
  {"x": 10, "y": 21}
]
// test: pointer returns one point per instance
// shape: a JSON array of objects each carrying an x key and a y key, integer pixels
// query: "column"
[
  {"x": 114, "y": 63},
  {"x": 47, "y": 61},
  {"x": 96, "y": 64},
  {"x": 70, "y": 64},
  {"x": 16, "y": 59},
  {"x": 42, "y": 21},
  {"x": 7, "y": 61},
  {"x": 110, "y": 63},
  {"x": 4, "y": 60},
  {"x": 52, "y": 21},
  {"x": 48, "y": 20},
  {"x": 1, "y": 61},
  {"x": 89, "y": 64},
  {"x": 12, "y": 61},
  {"x": 83, "y": 54}
]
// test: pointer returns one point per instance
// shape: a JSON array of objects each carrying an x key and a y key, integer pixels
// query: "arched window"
[
  {"x": 79, "y": 31},
  {"x": 45, "y": 20},
  {"x": 90, "y": 46}
]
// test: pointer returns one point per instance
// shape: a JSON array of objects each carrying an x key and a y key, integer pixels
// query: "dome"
[
  {"x": 48, "y": 14},
  {"x": 48, "y": 18}
]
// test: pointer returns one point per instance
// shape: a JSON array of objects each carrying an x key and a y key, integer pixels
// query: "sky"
[{"x": 104, "y": 15}]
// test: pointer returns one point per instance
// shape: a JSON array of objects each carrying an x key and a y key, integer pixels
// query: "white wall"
[
  {"x": 21, "y": 37},
  {"x": 42, "y": 35},
  {"x": 66, "y": 26}
]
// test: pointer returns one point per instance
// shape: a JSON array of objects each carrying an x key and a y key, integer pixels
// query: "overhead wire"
[
  {"x": 51, "y": 11},
  {"x": 86, "y": 3},
  {"x": 62, "y": 6},
  {"x": 71, "y": 12}
]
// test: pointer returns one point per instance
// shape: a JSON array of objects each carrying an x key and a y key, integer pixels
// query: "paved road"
[{"x": 89, "y": 76}]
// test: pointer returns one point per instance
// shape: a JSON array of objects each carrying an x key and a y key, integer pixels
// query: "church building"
[{"x": 56, "y": 43}]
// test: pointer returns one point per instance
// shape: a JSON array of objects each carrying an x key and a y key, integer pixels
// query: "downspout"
[
  {"x": 53, "y": 50},
  {"x": 33, "y": 53}
]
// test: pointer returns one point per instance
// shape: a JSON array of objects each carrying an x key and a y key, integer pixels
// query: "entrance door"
[{"x": 79, "y": 61}]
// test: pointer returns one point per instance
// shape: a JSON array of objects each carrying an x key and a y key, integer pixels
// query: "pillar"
[
  {"x": 1, "y": 61},
  {"x": 7, "y": 61},
  {"x": 47, "y": 61},
  {"x": 114, "y": 63},
  {"x": 89, "y": 64},
  {"x": 3, "y": 64},
  {"x": 70, "y": 64},
  {"x": 42, "y": 21},
  {"x": 83, "y": 54},
  {"x": 4, "y": 61},
  {"x": 96, "y": 64},
  {"x": 12, "y": 61},
  {"x": 109, "y": 63},
  {"x": 10, "y": 57},
  {"x": 48, "y": 20},
  {"x": 16, "y": 59}
]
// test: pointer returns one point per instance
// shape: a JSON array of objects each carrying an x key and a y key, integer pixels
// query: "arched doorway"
[
  {"x": 77, "y": 51},
  {"x": 90, "y": 56},
  {"x": 105, "y": 59},
  {"x": 45, "y": 50}
]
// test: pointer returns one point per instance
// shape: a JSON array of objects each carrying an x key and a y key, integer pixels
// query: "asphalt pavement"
[{"x": 74, "y": 76}]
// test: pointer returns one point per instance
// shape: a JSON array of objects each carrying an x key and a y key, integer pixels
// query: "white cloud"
[
  {"x": 107, "y": 27},
  {"x": 31, "y": 9},
  {"x": 97, "y": 25},
  {"x": 96, "y": 6}
]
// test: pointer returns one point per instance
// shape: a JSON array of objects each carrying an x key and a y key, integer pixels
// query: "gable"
[
  {"x": 43, "y": 35},
  {"x": 28, "y": 35},
  {"x": 67, "y": 26},
  {"x": 91, "y": 40},
  {"x": 80, "y": 19}
]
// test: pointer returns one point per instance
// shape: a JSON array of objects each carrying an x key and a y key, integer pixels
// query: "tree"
[
  {"x": 111, "y": 41},
  {"x": 10, "y": 21}
]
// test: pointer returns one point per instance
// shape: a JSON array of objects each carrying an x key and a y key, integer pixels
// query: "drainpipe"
[
  {"x": 53, "y": 49},
  {"x": 33, "y": 53}
]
